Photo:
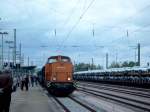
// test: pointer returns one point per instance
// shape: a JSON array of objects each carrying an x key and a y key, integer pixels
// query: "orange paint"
[{"x": 59, "y": 69}]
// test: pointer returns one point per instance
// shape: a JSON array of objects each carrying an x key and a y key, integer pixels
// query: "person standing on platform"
[
  {"x": 27, "y": 82},
  {"x": 22, "y": 82},
  {"x": 6, "y": 83},
  {"x": 32, "y": 80},
  {"x": 36, "y": 80},
  {"x": 18, "y": 80}
]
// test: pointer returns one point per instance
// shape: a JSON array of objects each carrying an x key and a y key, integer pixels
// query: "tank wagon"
[
  {"x": 57, "y": 75},
  {"x": 135, "y": 76}
]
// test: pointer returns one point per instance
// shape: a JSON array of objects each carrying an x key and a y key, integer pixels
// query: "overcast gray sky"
[{"x": 66, "y": 27}]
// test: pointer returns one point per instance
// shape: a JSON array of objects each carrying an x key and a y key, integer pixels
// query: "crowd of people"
[
  {"x": 8, "y": 84},
  {"x": 26, "y": 81}
]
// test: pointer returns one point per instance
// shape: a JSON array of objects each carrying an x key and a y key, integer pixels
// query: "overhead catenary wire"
[
  {"x": 64, "y": 24},
  {"x": 84, "y": 6},
  {"x": 75, "y": 25},
  {"x": 129, "y": 19},
  {"x": 71, "y": 14},
  {"x": 141, "y": 10}
]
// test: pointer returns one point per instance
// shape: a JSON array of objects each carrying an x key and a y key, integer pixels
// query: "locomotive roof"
[{"x": 58, "y": 56}]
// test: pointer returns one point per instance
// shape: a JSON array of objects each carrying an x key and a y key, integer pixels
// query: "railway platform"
[
  {"x": 38, "y": 99},
  {"x": 34, "y": 100}
]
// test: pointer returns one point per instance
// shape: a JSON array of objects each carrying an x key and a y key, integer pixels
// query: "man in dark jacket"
[
  {"x": 27, "y": 82},
  {"x": 6, "y": 83}
]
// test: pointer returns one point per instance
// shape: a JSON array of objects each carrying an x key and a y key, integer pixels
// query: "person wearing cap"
[{"x": 6, "y": 83}]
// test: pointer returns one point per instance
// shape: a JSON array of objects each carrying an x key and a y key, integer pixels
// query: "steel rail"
[
  {"x": 119, "y": 90},
  {"x": 118, "y": 86},
  {"x": 59, "y": 102},
  {"x": 82, "y": 104},
  {"x": 118, "y": 99}
]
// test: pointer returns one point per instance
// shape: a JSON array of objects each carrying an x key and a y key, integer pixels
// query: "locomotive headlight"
[
  {"x": 69, "y": 78},
  {"x": 54, "y": 78}
]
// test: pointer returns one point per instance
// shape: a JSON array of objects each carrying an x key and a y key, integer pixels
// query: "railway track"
[
  {"x": 143, "y": 106},
  {"x": 65, "y": 102},
  {"x": 118, "y": 86},
  {"x": 62, "y": 105},
  {"x": 119, "y": 90},
  {"x": 79, "y": 102}
]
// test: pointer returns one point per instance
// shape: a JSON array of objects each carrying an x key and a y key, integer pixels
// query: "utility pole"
[
  {"x": 106, "y": 60},
  {"x": 116, "y": 57},
  {"x": 139, "y": 54},
  {"x": 74, "y": 63},
  {"x": 9, "y": 47},
  {"x": 14, "y": 57},
  {"x": 22, "y": 59},
  {"x": 92, "y": 63},
  {"x": 55, "y": 32},
  {"x": 2, "y": 56},
  {"x": 93, "y": 31},
  {"x": 9, "y": 56},
  {"x": 20, "y": 53},
  {"x": 148, "y": 63},
  {"x": 28, "y": 60},
  {"x": 135, "y": 55}
]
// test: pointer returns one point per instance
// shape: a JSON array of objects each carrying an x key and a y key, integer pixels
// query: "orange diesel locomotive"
[{"x": 58, "y": 75}]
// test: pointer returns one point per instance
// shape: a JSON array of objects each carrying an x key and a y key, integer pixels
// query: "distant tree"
[
  {"x": 85, "y": 66},
  {"x": 125, "y": 64},
  {"x": 129, "y": 64},
  {"x": 99, "y": 67},
  {"x": 115, "y": 65},
  {"x": 132, "y": 64}
]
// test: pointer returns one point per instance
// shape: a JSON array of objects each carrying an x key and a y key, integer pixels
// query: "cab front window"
[
  {"x": 65, "y": 60},
  {"x": 52, "y": 60}
]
